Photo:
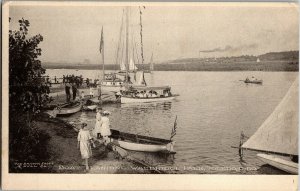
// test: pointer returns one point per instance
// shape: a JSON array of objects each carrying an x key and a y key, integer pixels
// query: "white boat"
[
  {"x": 92, "y": 107},
  {"x": 141, "y": 143},
  {"x": 147, "y": 94},
  {"x": 280, "y": 163},
  {"x": 145, "y": 100},
  {"x": 278, "y": 135}
]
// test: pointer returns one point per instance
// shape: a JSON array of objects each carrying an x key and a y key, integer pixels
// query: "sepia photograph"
[{"x": 146, "y": 88}]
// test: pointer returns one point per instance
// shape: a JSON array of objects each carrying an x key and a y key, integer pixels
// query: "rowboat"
[
  {"x": 280, "y": 163},
  {"x": 66, "y": 109},
  {"x": 253, "y": 81},
  {"x": 142, "y": 143},
  {"x": 92, "y": 107}
]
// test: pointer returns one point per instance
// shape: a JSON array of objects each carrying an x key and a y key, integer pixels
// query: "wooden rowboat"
[
  {"x": 141, "y": 143},
  {"x": 253, "y": 81},
  {"x": 66, "y": 109}
]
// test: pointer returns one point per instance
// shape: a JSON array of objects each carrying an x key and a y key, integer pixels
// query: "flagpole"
[
  {"x": 102, "y": 38},
  {"x": 126, "y": 56},
  {"x": 173, "y": 133}
]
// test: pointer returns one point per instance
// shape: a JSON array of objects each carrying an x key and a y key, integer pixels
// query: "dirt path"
[{"x": 66, "y": 157}]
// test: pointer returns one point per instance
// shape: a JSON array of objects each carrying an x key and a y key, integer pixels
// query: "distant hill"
[
  {"x": 273, "y": 61},
  {"x": 288, "y": 55}
]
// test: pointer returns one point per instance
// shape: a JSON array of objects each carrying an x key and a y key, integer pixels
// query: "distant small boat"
[
  {"x": 66, "y": 109},
  {"x": 135, "y": 142},
  {"x": 253, "y": 81}
]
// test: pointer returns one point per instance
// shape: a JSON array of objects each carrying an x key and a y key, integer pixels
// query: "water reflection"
[{"x": 146, "y": 107}]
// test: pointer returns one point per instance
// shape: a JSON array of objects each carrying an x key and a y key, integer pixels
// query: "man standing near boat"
[
  {"x": 74, "y": 90},
  {"x": 68, "y": 93}
]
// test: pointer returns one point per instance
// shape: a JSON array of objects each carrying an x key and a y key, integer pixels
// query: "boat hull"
[
  {"x": 254, "y": 82},
  {"x": 285, "y": 165},
  {"x": 69, "y": 111},
  {"x": 111, "y": 88},
  {"x": 143, "y": 147},
  {"x": 141, "y": 143},
  {"x": 145, "y": 100}
]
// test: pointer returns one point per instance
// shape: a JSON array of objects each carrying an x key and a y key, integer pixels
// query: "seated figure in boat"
[
  {"x": 154, "y": 94},
  {"x": 139, "y": 94},
  {"x": 253, "y": 78}
]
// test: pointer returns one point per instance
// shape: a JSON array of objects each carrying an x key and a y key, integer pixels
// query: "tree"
[{"x": 28, "y": 92}]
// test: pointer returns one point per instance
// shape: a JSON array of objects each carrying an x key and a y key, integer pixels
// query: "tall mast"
[
  {"x": 103, "y": 73},
  {"x": 101, "y": 50},
  {"x": 127, "y": 32}
]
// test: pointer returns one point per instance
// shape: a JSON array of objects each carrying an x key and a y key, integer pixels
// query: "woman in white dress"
[
  {"x": 105, "y": 126},
  {"x": 97, "y": 129},
  {"x": 84, "y": 144}
]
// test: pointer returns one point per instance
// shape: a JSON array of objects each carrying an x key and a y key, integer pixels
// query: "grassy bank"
[{"x": 63, "y": 156}]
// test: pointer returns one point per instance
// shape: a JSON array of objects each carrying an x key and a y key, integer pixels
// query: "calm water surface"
[{"x": 213, "y": 108}]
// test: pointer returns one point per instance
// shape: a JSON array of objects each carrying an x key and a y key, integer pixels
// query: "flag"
[
  {"x": 101, "y": 41},
  {"x": 173, "y": 133}
]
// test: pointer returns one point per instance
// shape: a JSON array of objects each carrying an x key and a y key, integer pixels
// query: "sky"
[{"x": 72, "y": 33}]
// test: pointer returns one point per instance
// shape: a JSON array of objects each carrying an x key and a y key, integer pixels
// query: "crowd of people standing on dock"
[{"x": 77, "y": 80}]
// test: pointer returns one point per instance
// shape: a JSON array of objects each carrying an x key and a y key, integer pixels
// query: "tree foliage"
[{"x": 28, "y": 92}]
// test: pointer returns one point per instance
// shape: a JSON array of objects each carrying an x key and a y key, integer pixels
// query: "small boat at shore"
[
  {"x": 147, "y": 94},
  {"x": 66, "y": 109},
  {"x": 141, "y": 143}
]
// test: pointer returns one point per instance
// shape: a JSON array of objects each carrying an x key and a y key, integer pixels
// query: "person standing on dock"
[
  {"x": 87, "y": 82},
  {"x": 97, "y": 129},
  {"x": 105, "y": 127},
  {"x": 74, "y": 90},
  {"x": 68, "y": 93},
  {"x": 84, "y": 144}
]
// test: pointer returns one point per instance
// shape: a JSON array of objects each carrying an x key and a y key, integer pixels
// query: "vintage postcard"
[{"x": 150, "y": 96}]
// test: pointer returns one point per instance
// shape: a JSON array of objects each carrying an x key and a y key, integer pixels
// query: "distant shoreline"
[{"x": 279, "y": 65}]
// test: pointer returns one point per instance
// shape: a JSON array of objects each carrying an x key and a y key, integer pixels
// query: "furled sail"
[
  {"x": 279, "y": 132},
  {"x": 122, "y": 66},
  {"x": 141, "y": 79},
  {"x": 151, "y": 63},
  {"x": 132, "y": 66}
]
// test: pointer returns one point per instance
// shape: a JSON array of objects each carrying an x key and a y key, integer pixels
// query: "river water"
[{"x": 212, "y": 110}]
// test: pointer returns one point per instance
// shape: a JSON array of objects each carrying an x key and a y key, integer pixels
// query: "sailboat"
[
  {"x": 115, "y": 81},
  {"x": 278, "y": 135}
]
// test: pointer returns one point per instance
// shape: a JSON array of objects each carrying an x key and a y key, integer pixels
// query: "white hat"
[{"x": 106, "y": 112}]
